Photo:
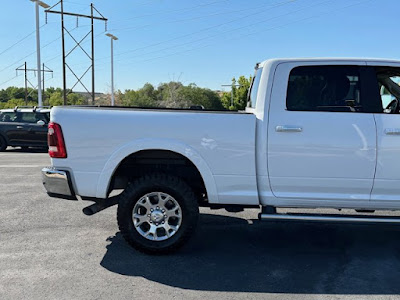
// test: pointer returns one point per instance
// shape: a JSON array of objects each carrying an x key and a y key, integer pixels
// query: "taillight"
[{"x": 55, "y": 140}]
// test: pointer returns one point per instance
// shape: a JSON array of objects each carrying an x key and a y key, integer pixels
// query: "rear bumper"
[{"x": 58, "y": 183}]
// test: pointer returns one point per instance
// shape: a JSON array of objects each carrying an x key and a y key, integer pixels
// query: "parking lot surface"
[{"x": 50, "y": 250}]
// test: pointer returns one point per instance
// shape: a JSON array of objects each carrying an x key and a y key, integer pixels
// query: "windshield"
[{"x": 252, "y": 96}]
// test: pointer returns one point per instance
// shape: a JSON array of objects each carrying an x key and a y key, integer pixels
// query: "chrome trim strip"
[{"x": 338, "y": 218}]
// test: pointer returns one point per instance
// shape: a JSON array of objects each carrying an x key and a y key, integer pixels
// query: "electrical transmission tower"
[
  {"x": 26, "y": 70},
  {"x": 77, "y": 44}
]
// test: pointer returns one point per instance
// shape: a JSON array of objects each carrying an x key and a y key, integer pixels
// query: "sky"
[{"x": 206, "y": 42}]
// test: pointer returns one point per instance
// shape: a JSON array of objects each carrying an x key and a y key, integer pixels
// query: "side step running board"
[{"x": 329, "y": 218}]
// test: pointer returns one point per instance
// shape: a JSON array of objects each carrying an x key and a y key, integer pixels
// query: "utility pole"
[
  {"x": 26, "y": 84},
  {"x": 40, "y": 71},
  {"x": 91, "y": 17},
  {"x": 113, "y": 38},
  {"x": 43, "y": 73},
  {"x": 63, "y": 54},
  {"x": 231, "y": 85},
  {"x": 44, "y": 96},
  {"x": 77, "y": 44},
  {"x": 44, "y": 5}
]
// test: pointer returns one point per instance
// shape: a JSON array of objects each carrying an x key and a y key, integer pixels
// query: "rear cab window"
[{"x": 255, "y": 83}]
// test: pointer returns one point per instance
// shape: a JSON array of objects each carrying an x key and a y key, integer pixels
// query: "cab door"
[
  {"x": 321, "y": 136},
  {"x": 13, "y": 128},
  {"x": 387, "y": 177}
]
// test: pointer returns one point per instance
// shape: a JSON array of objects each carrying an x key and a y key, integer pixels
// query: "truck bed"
[{"x": 98, "y": 138}]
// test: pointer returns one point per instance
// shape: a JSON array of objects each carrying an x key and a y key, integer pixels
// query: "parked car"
[
  {"x": 315, "y": 135},
  {"x": 24, "y": 127}
]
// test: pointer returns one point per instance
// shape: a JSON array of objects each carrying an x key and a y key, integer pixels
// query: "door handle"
[
  {"x": 288, "y": 128},
  {"x": 20, "y": 127},
  {"x": 392, "y": 131}
]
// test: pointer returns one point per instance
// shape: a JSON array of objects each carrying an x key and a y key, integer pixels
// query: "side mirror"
[{"x": 41, "y": 123}]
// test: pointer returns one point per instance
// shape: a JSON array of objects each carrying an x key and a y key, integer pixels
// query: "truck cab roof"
[{"x": 329, "y": 60}]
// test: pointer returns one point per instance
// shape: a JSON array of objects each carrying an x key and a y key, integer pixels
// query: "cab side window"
[
  {"x": 389, "y": 88},
  {"x": 324, "y": 88},
  {"x": 28, "y": 117},
  {"x": 43, "y": 116}
]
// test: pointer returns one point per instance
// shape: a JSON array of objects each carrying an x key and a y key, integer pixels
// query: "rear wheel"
[
  {"x": 3, "y": 144},
  {"x": 157, "y": 213}
]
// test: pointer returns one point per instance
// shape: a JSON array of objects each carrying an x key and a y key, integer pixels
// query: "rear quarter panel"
[{"x": 221, "y": 145}]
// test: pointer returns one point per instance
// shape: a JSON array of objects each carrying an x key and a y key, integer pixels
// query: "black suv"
[{"x": 24, "y": 127}]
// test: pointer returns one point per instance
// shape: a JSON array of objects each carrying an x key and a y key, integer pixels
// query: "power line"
[
  {"x": 205, "y": 29},
  {"x": 21, "y": 40},
  {"x": 170, "y": 11},
  {"x": 239, "y": 28},
  {"x": 16, "y": 43},
  {"x": 19, "y": 60},
  {"x": 202, "y": 30},
  {"x": 1, "y": 84},
  {"x": 48, "y": 44},
  {"x": 194, "y": 18},
  {"x": 208, "y": 37},
  {"x": 268, "y": 29}
]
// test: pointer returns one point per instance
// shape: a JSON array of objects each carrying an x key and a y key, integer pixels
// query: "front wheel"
[
  {"x": 3, "y": 144},
  {"x": 157, "y": 213}
]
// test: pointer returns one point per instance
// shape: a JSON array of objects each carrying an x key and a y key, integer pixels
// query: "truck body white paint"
[{"x": 326, "y": 159}]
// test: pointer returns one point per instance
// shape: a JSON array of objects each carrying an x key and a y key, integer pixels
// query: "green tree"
[
  {"x": 136, "y": 98},
  {"x": 238, "y": 93},
  {"x": 56, "y": 99},
  {"x": 195, "y": 95},
  {"x": 15, "y": 102},
  {"x": 75, "y": 99}
]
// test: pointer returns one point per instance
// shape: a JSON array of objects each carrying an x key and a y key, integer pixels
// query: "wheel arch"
[
  {"x": 4, "y": 136},
  {"x": 142, "y": 145}
]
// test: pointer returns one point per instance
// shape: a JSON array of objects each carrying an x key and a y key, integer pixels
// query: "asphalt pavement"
[{"x": 50, "y": 250}]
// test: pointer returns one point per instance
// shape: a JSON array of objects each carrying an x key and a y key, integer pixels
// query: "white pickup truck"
[{"x": 315, "y": 135}]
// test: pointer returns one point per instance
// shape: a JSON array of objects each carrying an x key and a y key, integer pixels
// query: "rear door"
[
  {"x": 321, "y": 136},
  {"x": 35, "y": 134},
  {"x": 387, "y": 178},
  {"x": 38, "y": 132}
]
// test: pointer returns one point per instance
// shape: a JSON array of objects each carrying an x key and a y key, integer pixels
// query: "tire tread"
[{"x": 127, "y": 200}]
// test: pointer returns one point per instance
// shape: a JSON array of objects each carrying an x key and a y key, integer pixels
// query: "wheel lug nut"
[
  {"x": 158, "y": 207},
  {"x": 163, "y": 222},
  {"x": 151, "y": 209},
  {"x": 163, "y": 210},
  {"x": 148, "y": 215}
]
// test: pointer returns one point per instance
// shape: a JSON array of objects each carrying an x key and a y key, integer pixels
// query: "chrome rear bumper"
[{"x": 58, "y": 183}]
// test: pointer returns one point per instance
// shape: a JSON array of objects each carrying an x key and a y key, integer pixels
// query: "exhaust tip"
[{"x": 88, "y": 210}]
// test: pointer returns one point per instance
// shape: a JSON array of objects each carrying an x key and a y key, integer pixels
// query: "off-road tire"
[
  {"x": 3, "y": 144},
  {"x": 163, "y": 183}
]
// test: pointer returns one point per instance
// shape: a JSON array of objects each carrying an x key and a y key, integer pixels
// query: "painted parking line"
[{"x": 21, "y": 166}]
